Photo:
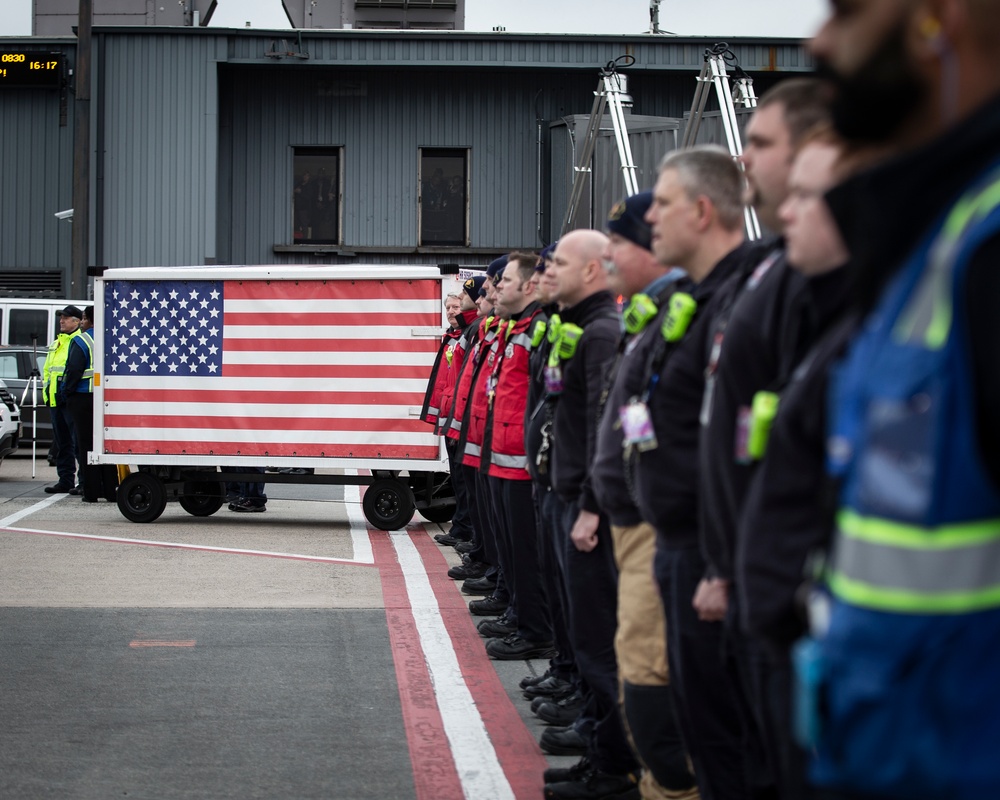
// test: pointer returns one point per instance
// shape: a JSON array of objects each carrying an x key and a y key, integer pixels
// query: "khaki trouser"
[{"x": 641, "y": 639}]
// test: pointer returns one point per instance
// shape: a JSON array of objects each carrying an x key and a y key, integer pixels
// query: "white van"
[{"x": 24, "y": 319}]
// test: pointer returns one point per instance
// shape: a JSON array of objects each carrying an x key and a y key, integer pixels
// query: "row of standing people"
[{"x": 788, "y": 454}]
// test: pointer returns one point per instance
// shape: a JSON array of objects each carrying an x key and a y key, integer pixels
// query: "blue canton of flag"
[{"x": 163, "y": 328}]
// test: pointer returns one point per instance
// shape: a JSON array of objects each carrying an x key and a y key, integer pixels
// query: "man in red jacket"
[
  {"x": 460, "y": 311},
  {"x": 505, "y": 461}
]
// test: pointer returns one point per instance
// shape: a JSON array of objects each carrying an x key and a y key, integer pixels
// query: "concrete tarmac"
[{"x": 290, "y": 654}]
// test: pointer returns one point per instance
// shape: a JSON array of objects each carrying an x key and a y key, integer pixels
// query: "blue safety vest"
[
  {"x": 85, "y": 340},
  {"x": 911, "y": 658}
]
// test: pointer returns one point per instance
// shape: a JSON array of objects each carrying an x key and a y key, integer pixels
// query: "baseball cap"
[{"x": 71, "y": 311}]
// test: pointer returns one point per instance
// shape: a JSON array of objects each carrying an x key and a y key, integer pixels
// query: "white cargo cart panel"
[{"x": 268, "y": 366}]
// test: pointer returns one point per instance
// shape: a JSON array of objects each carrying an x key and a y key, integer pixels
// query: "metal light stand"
[
  {"x": 714, "y": 73},
  {"x": 32, "y": 386},
  {"x": 610, "y": 94}
]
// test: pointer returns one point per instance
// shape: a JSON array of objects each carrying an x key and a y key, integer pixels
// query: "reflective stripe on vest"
[
  {"x": 927, "y": 319},
  {"x": 521, "y": 340},
  {"x": 892, "y": 566},
  {"x": 895, "y": 566},
  {"x": 473, "y": 449},
  {"x": 509, "y": 462},
  {"x": 87, "y": 380}
]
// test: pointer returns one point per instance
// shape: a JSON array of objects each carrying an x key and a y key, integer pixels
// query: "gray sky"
[{"x": 797, "y": 18}]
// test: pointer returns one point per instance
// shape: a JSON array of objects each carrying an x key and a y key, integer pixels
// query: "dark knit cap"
[
  {"x": 496, "y": 267},
  {"x": 473, "y": 285},
  {"x": 544, "y": 256},
  {"x": 626, "y": 219}
]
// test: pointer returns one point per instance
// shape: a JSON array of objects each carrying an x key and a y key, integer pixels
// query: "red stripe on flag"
[
  {"x": 331, "y": 371},
  {"x": 320, "y": 319},
  {"x": 391, "y": 291},
  {"x": 428, "y": 345},
  {"x": 166, "y": 422},
  {"x": 278, "y": 396},
  {"x": 273, "y": 449}
]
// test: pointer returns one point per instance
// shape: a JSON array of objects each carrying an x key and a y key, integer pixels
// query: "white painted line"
[
  {"x": 356, "y": 520},
  {"x": 182, "y": 546},
  {"x": 6, "y": 522},
  {"x": 476, "y": 760}
]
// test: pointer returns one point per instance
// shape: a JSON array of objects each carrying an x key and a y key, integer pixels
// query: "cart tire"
[
  {"x": 439, "y": 514},
  {"x": 142, "y": 497},
  {"x": 203, "y": 498},
  {"x": 388, "y": 504}
]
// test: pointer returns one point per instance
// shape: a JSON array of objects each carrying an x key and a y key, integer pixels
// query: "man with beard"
[
  {"x": 762, "y": 331},
  {"x": 640, "y": 638},
  {"x": 909, "y": 643},
  {"x": 697, "y": 223},
  {"x": 588, "y": 334}
]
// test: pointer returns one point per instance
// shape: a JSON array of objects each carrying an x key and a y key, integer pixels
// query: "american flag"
[{"x": 279, "y": 368}]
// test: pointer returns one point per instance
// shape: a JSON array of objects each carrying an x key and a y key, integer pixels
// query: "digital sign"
[{"x": 31, "y": 69}]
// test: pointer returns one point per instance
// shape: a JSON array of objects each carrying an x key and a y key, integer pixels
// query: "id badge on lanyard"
[
  {"x": 553, "y": 380},
  {"x": 637, "y": 426}
]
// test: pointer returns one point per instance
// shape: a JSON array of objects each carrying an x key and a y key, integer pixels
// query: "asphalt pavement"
[{"x": 290, "y": 654}]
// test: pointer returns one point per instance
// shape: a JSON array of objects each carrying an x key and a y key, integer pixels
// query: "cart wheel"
[
  {"x": 141, "y": 497},
  {"x": 438, "y": 513},
  {"x": 202, "y": 498},
  {"x": 388, "y": 504},
  {"x": 429, "y": 487}
]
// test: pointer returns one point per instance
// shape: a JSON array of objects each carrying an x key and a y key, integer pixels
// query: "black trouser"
[
  {"x": 98, "y": 481},
  {"x": 64, "y": 439},
  {"x": 592, "y": 592},
  {"x": 774, "y": 679},
  {"x": 548, "y": 512},
  {"x": 708, "y": 705},
  {"x": 481, "y": 509},
  {"x": 518, "y": 547},
  {"x": 462, "y": 526}
]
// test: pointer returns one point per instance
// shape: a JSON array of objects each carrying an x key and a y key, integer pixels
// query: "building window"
[
  {"x": 444, "y": 196},
  {"x": 316, "y": 194}
]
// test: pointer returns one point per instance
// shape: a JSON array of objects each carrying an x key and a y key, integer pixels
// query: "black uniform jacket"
[
  {"x": 608, "y": 475},
  {"x": 574, "y": 422},
  {"x": 788, "y": 513},
  {"x": 666, "y": 478},
  {"x": 539, "y": 410},
  {"x": 774, "y": 319}
]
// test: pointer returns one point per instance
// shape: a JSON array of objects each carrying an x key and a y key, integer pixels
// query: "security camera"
[{"x": 67, "y": 214}]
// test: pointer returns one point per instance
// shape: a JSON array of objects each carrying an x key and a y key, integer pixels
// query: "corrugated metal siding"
[
  {"x": 160, "y": 149},
  {"x": 36, "y": 165},
  {"x": 520, "y": 50},
  {"x": 268, "y": 113},
  {"x": 649, "y": 139}
]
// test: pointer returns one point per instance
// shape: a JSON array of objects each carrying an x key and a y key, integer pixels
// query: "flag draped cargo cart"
[{"x": 203, "y": 368}]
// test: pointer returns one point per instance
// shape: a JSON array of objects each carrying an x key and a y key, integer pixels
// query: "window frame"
[
  {"x": 466, "y": 154},
  {"x": 318, "y": 151}
]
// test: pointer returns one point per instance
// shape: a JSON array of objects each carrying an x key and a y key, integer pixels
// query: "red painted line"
[
  {"x": 519, "y": 754},
  {"x": 435, "y": 776}
]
